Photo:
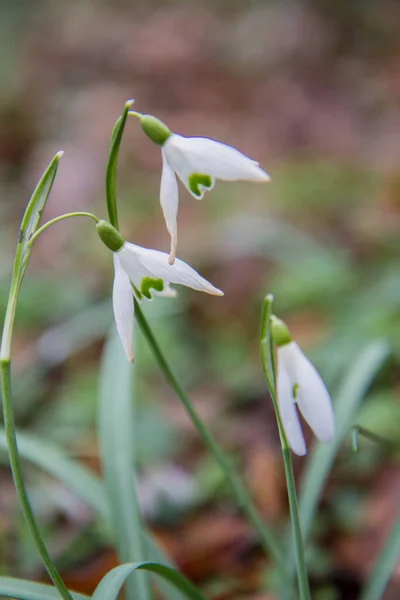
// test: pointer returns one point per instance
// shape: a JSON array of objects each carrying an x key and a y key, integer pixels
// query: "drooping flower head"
[
  {"x": 299, "y": 385},
  {"x": 143, "y": 273},
  {"x": 198, "y": 162}
]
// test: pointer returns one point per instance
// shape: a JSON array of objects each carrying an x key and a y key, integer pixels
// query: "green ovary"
[
  {"x": 149, "y": 284},
  {"x": 199, "y": 179}
]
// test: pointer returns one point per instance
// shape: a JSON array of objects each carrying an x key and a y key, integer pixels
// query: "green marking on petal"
[
  {"x": 199, "y": 179},
  {"x": 148, "y": 284},
  {"x": 295, "y": 391}
]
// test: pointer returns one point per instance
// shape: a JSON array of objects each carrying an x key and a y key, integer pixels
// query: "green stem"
[
  {"x": 134, "y": 113},
  {"x": 5, "y": 371},
  {"x": 57, "y": 220},
  {"x": 270, "y": 544},
  {"x": 269, "y": 367},
  {"x": 304, "y": 587}
]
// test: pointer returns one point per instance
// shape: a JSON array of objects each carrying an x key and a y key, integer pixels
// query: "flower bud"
[
  {"x": 155, "y": 129},
  {"x": 110, "y": 236},
  {"x": 280, "y": 332}
]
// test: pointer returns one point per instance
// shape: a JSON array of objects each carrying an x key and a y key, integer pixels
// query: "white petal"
[
  {"x": 168, "y": 291},
  {"x": 123, "y": 307},
  {"x": 155, "y": 264},
  {"x": 132, "y": 265},
  {"x": 313, "y": 399},
  {"x": 188, "y": 155},
  {"x": 169, "y": 202},
  {"x": 287, "y": 406}
]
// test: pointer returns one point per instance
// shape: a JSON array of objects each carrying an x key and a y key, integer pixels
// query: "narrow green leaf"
[
  {"x": 111, "y": 172},
  {"x": 30, "y": 590},
  {"x": 384, "y": 566},
  {"x": 55, "y": 461},
  {"x": 116, "y": 433},
  {"x": 34, "y": 211},
  {"x": 86, "y": 484},
  {"x": 111, "y": 584},
  {"x": 349, "y": 398}
]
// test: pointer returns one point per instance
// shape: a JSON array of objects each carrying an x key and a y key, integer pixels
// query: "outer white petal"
[
  {"x": 313, "y": 398},
  {"x": 202, "y": 155},
  {"x": 132, "y": 265},
  {"x": 123, "y": 307},
  {"x": 156, "y": 265},
  {"x": 183, "y": 164},
  {"x": 169, "y": 202},
  {"x": 168, "y": 292},
  {"x": 287, "y": 406}
]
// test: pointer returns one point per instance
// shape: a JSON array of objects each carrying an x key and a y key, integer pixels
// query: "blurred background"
[{"x": 309, "y": 89}]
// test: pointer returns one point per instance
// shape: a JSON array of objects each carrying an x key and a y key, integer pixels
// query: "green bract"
[
  {"x": 110, "y": 236},
  {"x": 155, "y": 129}
]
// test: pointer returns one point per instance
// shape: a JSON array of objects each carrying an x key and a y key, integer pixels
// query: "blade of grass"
[
  {"x": 51, "y": 459},
  {"x": 116, "y": 434},
  {"x": 384, "y": 566},
  {"x": 30, "y": 590},
  {"x": 86, "y": 484},
  {"x": 111, "y": 584}
]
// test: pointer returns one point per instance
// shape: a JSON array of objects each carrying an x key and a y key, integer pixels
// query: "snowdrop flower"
[
  {"x": 299, "y": 384},
  {"x": 143, "y": 273},
  {"x": 198, "y": 162}
]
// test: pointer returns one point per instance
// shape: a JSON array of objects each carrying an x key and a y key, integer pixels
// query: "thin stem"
[
  {"x": 5, "y": 371},
  {"x": 269, "y": 367},
  {"x": 304, "y": 587},
  {"x": 57, "y": 220},
  {"x": 270, "y": 544},
  {"x": 133, "y": 113}
]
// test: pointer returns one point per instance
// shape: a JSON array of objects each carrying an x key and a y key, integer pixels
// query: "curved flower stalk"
[
  {"x": 198, "y": 162},
  {"x": 143, "y": 273},
  {"x": 299, "y": 384}
]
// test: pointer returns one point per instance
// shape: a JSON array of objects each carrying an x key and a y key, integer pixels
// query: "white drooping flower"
[
  {"x": 144, "y": 273},
  {"x": 198, "y": 162},
  {"x": 299, "y": 385}
]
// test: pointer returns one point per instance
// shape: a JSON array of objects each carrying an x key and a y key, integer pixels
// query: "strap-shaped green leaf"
[
  {"x": 86, "y": 485},
  {"x": 111, "y": 584},
  {"x": 385, "y": 565},
  {"x": 30, "y": 590},
  {"x": 117, "y": 439},
  {"x": 54, "y": 460}
]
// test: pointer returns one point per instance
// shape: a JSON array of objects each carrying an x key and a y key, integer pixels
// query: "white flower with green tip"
[
  {"x": 198, "y": 162},
  {"x": 300, "y": 385},
  {"x": 144, "y": 273}
]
